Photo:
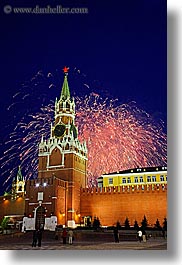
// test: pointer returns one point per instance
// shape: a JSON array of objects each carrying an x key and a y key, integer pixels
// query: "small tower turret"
[{"x": 18, "y": 185}]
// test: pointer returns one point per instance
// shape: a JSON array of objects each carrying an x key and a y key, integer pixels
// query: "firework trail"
[
  {"x": 118, "y": 137},
  {"x": 22, "y": 145}
]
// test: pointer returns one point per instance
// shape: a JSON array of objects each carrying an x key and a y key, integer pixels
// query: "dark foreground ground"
[{"x": 83, "y": 241}]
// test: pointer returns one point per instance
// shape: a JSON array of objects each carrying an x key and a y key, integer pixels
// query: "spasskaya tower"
[
  {"x": 62, "y": 165},
  {"x": 62, "y": 154}
]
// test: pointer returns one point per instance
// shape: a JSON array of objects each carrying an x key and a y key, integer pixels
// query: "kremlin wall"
[
  {"x": 109, "y": 204},
  {"x": 112, "y": 204}
]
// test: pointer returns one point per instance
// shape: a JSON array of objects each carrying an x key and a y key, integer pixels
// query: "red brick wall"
[
  {"x": 61, "y": 204},
  {"x": 112, "y": 206},
  {"x": 11, "y": 207},
  {"x": 42, "y": 166}
]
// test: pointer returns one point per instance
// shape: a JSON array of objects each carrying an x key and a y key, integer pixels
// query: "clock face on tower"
[{"x": 59, "y": 130}]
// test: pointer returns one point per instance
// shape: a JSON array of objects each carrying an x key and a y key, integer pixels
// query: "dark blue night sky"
[{"x": 122, "y": 44}]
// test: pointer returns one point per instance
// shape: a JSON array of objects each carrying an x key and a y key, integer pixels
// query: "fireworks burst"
[{"x": 118, "y": 137}]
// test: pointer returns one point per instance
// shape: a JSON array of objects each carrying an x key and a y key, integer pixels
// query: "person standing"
[
  {"x": 116, "y": 235},
  {"x": 64, "y": 235},
  {"x": 70, "y": 237},
  {"x": 144, "y": 236},
  {"x": 39, "y": 237},
  {"x": 139, "y": 235},
  {"x": 34, "y": 242}
]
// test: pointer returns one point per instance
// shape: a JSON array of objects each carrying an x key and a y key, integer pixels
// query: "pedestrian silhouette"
[
  {"x": 34, "y": 242},
  {"x": 70, "y": 237},
  {"x": 139, "y": 233},
  {"x": 144, "y": 235},
  {"x": 39, "y": 237},
  {"x": 64, "y": 235},
  {"x": 116, "y": 235}
]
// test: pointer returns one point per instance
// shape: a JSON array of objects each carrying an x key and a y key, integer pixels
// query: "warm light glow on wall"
[
  {"x": 62, "y": 214},
  {"x": 19, "y": 199},
  {"x": 6, "y": 201}
]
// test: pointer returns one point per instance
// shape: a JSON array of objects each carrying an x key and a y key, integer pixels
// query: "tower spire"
[
  {"x": 65, "y": 92},
  {"x": 19, "y": 175}
]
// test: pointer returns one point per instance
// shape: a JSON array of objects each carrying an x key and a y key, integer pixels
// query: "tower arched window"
[
  {"x": 67, "y": 147},
  {"x": 67, "y": 105}
]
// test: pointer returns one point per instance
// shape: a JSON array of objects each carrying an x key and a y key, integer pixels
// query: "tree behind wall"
[
  {"x": 136, "y": 226},
  {"x": 127, "y": 223},
  {"x": 165, "y": 224},
  {"x": 118, "y": 225},
  {"x": 157, "y": 225},
  {"x": 144, "y": 222}
]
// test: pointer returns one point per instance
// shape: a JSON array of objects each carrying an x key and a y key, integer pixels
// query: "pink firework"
[{"x": 119, "y": 137}]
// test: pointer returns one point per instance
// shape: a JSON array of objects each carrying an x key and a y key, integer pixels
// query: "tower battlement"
[
  {"x": 125, "y": 189},
  {"x": 46, "y": 182}
]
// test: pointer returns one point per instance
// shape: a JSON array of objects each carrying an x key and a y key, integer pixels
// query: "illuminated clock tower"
[{"x": 62, "y": 156}]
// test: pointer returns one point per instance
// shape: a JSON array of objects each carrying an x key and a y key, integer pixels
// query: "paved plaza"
[{"x": 24, "y": 241}]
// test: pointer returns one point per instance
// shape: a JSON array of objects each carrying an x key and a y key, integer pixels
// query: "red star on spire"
[{"x": 65, "y": 69}]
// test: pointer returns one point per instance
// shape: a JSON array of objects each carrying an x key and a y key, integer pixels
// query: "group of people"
[
  {"x": 68, "y": 234},
  {"x": 141, "y": 234},
  {"x": 64, "y": 235},
  {"x": 37, "y": 237}
]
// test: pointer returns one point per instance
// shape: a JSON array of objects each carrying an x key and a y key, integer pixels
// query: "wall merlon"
[{"x": 125, "y": 189}]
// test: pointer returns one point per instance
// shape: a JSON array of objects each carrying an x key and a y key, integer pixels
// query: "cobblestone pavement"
[{"x": 153, "y": 244}]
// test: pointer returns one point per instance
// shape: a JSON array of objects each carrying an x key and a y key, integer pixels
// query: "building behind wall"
[
  {"x": 130, "y": 194},
  {"x": 114, "y": 204}
]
